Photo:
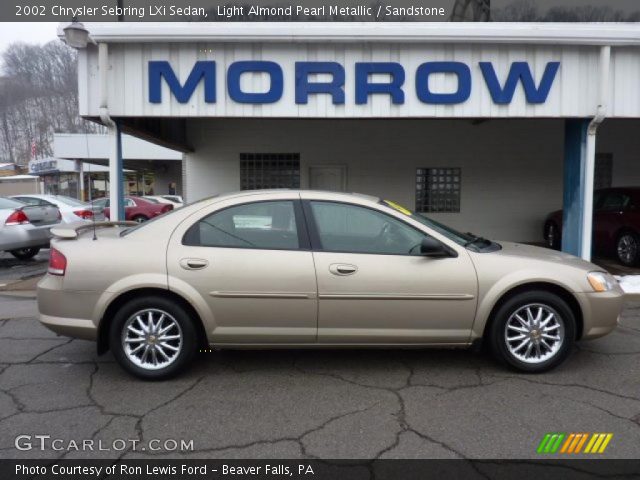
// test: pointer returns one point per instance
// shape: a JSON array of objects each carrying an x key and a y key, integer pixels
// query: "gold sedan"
[{"x": 317, "y": 270}]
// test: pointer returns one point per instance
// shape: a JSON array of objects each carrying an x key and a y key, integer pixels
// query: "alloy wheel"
[
  {"x": 152, "y": 339},
  {"x": 627, "y": 248},
  {"x": 534, "y": 333}
]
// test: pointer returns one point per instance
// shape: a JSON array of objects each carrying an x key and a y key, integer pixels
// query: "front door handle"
[
  {"x": 193, "y": 263},
  {"x": 342, "y": 269}
]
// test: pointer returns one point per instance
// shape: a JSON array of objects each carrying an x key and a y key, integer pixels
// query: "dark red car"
[
  {"x": 137, "y": 209},
  {"x": 616, "y": 224}
]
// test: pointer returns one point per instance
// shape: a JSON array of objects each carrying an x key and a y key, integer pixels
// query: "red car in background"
[
  {"x": 616, "y": 224},
  {"x": 136, "y": 209}
]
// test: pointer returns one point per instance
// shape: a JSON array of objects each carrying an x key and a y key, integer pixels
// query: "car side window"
[
  {"x": 263, "y": 225},
  {"x": 129, "y": 203},
  {"x": 614, "y": 202},
  {"x": 351, "y": 228}
]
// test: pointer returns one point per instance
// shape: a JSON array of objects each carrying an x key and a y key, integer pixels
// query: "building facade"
[{"x": 485, "y": 127}]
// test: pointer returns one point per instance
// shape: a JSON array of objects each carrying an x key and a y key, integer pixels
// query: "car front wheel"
[
  {"x": 628, "y": 249},
  {"x": 533, "y": 331},
  {"x": 25, "y": 253},
  {"x": 152, "y": 337}
]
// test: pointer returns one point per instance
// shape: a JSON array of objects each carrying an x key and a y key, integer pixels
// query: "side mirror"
[{"x": 430, "y": 247}]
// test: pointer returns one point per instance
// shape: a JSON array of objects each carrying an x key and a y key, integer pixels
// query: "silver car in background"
[
  {"x": 71, "y": 209},
  {"x": 24, "y": 229}
]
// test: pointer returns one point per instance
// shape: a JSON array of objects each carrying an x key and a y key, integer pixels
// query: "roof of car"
[{"x": 319, "y": 193}]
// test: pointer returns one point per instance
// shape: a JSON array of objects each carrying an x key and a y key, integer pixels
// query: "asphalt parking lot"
[{"x": 327, "y": 404}]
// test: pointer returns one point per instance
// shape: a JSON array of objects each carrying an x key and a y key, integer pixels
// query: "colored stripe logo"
[{"x": 574, "y": 443}]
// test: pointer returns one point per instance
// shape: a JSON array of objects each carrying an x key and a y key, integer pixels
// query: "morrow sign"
[{"x": 366, "y": 78}]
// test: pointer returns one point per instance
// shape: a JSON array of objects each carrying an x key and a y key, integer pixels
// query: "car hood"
[{"x": 531, "y": 252}]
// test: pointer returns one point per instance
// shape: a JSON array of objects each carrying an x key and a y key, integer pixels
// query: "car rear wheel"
[
  {"x": 628, "y": 248},
  {"x": 152, "y": 337},
  {"x": 533, "y": 331},
  {"x": 25, "y": 253},
  {"x": 139, "y": 218}
]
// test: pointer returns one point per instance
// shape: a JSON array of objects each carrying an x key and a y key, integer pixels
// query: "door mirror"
[{"x": 430, "y": 247}]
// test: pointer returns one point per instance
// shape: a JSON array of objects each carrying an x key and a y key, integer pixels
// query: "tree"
[{"x": 38, "y": 96}]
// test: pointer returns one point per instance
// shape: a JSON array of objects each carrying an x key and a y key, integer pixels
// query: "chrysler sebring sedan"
[{"x": 306, "y": 269}]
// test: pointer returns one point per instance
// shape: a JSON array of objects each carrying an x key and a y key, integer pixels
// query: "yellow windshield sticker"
[{"x": 398, "y": 207}]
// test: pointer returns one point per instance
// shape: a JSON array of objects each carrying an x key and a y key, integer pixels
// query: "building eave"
[{"x": 614, "y": 34}]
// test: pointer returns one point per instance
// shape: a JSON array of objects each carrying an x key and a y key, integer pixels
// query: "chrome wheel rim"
[
  {"x": 534, "y": 333},
  {"x": 139, "y": 220},
  {"x": 152, "y": 339},
  {"x": 627, "y": 248}
]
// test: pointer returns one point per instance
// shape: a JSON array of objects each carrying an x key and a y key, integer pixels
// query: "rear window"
[
  {"x": 10, "y": 203},
  {"x": 70, "y": 201}
]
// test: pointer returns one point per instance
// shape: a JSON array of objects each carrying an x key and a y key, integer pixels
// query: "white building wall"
[
  {"x": 574, "y": 92},
  {"x": 511, "y": 170}
]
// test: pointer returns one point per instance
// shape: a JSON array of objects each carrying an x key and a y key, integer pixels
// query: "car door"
[
  {"x": 252, "y": 265},
  {"x": 374, "y": 287},
  {"x": 608, "y": 218}
]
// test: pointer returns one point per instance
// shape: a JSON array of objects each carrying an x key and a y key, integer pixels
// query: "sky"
[{"x": 41, "y": 32}]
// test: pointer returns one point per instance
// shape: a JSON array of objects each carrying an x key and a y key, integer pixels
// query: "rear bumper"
[
  {"x": 601, "y": 312},
  {"x": 66, "y": 312},
  {"x": 13, "y": 237},
  {"x": 70, "y": 327}
]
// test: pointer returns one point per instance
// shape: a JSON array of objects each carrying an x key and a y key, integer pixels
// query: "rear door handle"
[
  {"x": 342, "y": 269},
  {"x": 193, "y": 263}
]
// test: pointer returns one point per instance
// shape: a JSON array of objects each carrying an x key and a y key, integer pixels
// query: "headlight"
[{"x": 601, "y": 281}]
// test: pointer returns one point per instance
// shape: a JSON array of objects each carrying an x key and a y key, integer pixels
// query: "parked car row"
[
  {"x": 136, "y": 209},
  {"x": 616, "y": 225},
  {"x": 25, "y": 220}
]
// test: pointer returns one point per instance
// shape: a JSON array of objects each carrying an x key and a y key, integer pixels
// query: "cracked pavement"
[{"x": 362, "y": 404}]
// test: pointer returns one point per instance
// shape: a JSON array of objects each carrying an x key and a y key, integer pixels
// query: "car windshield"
[
  {"x": 11, "y": 203},
  {"x": 73, "y": 202},
  {"x": 451, "y": 233}
]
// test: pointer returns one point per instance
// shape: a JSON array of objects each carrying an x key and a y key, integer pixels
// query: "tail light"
[
  {"x": 18, "y": 217},
  {"x": 166, "y": 208},
  {"x": 57, "y": 262},
  {"x": 84, "y": 214},
  {"x": 59, "y": 215}
]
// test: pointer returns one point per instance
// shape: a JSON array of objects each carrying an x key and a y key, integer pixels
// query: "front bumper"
[{"x": 600, "y": 312}]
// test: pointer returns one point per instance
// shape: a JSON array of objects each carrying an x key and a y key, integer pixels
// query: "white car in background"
[
  {"x": 175, "y": 200},
  {"x": 71, "y": 209},
  {"x": 24, "y": 229}
]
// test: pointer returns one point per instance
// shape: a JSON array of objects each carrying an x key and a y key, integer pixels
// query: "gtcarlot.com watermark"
[{"x": 47, "y": 442}]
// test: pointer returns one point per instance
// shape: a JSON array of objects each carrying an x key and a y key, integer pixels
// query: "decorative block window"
[
  {"x": 438, "y": 189},
  {"x": 260, "y": 171}
]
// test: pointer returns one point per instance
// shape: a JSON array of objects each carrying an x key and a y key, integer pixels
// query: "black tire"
[
  {"x": 140, "y": 218},
  {"x": 174, "y": 312},
  {"x": 628, "y": 248},
  {"x": 25, "y": 253},
  {"x": 506, "y": 313},
  {"x": 552, "y": 236}
]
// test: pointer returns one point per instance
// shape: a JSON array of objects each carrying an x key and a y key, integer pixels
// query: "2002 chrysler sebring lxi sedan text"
[{"x": 314, "y": 269}]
